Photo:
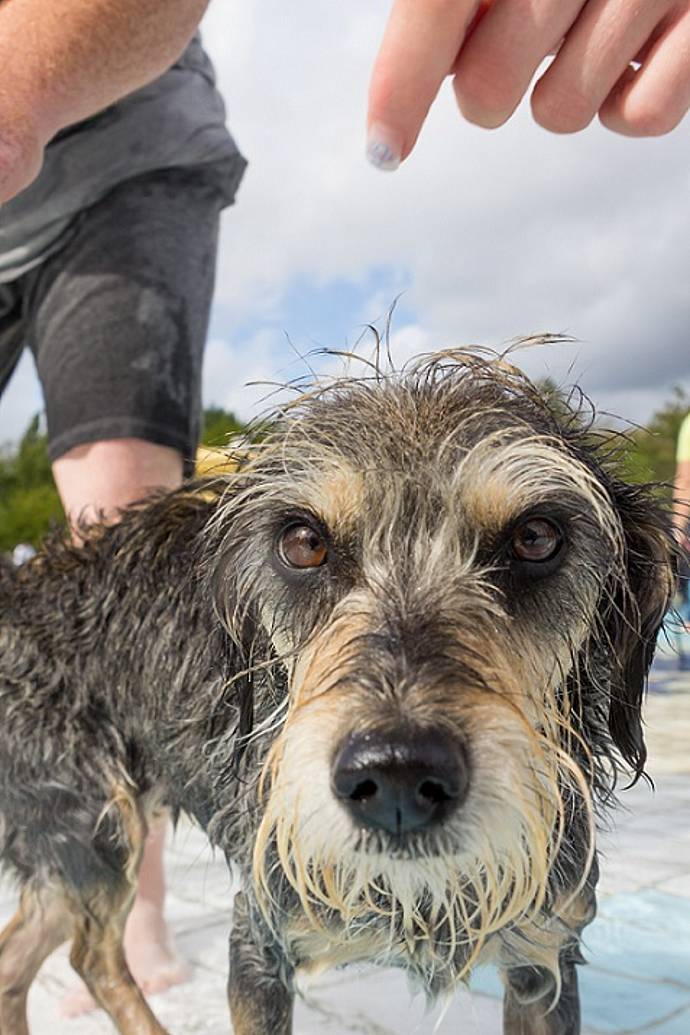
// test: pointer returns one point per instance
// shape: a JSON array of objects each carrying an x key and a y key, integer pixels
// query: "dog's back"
[{"x": 92, "y": 641}]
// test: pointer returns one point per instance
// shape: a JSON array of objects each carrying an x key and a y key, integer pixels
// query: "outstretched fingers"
[
  {"x": 652, "y": 100},
  {"x": 625, "y": 60},
  {"x": 419, "y": 48}
]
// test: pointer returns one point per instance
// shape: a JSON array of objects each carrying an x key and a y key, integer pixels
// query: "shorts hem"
[{"x": 118, "y": 427}]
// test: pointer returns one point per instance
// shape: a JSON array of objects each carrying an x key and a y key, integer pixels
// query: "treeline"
[
  {"x": 652, "y": 453},
  {"x": 646, "y": 454},
  {"x": 29, "y": 503}
]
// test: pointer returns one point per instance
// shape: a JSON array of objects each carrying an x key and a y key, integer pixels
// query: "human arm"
[
  {"x": 64, "y": 61},
  {"x": 492, "y": 48}
]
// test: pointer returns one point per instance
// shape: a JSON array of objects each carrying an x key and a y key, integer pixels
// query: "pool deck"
[{"x": 637, "y": 981}]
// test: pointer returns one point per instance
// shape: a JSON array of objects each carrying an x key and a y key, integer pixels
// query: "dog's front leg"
[
  {"x": 525, "y": 1015},
  {"x": 528, "y": 1006},
  {"x": 260, "y": 1003}
]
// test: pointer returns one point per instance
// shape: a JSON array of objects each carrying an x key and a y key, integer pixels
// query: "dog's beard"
[{"x": 439, "y": 895}]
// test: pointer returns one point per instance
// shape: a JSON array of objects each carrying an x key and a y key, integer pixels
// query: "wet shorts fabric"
[{"x": 117, "y": 317}]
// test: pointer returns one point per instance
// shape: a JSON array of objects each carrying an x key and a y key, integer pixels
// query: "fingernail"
[{"x": 383, "y": 148}]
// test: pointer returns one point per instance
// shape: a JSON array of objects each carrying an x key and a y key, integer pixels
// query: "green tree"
[
  {"x": 218, "y": 426},
  {"x": 645, "y": 454},
  {"x": 652, "y": 456},
  {"x": 29, "y": 503}
]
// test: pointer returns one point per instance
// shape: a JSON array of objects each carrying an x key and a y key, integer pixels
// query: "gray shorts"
[{"x": 117, "y": 317}]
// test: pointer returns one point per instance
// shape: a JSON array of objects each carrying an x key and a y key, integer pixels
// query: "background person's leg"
[
  {"x": 95, "y": 479},
  {"x": 100, "y": 478},
  {"x": 117, "y": 322}
]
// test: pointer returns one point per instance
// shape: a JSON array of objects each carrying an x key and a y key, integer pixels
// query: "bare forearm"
[{"x": 65, "y": 60}]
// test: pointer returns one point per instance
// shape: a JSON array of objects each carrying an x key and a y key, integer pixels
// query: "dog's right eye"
[
  {"x": 536, "y": 541},
  {"x": 301, "y": 546}
]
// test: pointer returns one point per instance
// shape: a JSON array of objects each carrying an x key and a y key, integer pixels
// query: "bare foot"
[
  {"x": 150, "y": 952},
  {"x": 77, "y": 1002},
  {"x": 151, "y": 957},
  {"x": 149, "y": 949}
]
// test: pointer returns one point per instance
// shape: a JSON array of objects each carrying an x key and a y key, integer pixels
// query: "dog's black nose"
[{"x": 402, "y": 781}]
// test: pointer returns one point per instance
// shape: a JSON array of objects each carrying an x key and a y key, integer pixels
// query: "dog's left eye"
[
  {"x": 301, "y": 546},
  {"x": 536, "y": 540}
]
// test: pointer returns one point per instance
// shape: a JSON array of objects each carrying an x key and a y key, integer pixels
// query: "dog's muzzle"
[{"x": 402, "y": 780}]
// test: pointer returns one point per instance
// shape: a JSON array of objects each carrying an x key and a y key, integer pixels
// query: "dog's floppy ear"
[{"x": 639, "y": 603}]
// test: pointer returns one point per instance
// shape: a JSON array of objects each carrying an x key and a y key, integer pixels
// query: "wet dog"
[{"x": 393, "y": 666}]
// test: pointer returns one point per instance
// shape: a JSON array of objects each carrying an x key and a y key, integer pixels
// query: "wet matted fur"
[{"x": 430, "y": 572}]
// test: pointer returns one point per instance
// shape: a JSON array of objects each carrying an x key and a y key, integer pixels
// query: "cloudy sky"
[{"x": 484, "y": 235}]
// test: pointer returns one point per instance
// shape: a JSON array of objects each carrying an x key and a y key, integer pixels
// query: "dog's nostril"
[
  {"x": 434, "y": 791},
  {"x": 362, "y": 791},
  {"x": 402, "y": 780}
]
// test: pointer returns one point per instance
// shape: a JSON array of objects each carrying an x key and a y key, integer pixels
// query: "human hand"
[{"x": 626, "y": 60}]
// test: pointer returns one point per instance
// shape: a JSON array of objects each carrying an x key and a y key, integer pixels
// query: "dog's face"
[{"x": 465, "y": 604}]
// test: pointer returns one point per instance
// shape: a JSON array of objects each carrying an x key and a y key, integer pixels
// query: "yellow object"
[{"x": 211, "y": 460}]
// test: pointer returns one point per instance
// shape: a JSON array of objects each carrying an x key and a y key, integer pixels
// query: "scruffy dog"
[{"x": 393, "y": 666}]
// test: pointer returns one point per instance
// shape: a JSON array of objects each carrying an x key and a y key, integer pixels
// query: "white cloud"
[
  {"x": 492, "y": 234},
  {"x": 499, "y": 234},
  {"x": 252, "y": 375},
  {"x": 20, "y": 402},
  {"x": 236, "y": 374}
]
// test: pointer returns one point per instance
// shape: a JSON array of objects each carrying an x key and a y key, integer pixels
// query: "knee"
[{"x": 99, "y": 478}]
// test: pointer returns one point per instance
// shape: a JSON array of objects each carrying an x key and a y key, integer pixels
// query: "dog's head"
[{"x": 464, "y": 601}]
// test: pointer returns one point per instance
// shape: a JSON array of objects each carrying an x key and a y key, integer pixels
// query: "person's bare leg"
[
  {"x": 106, "y": 476},
  {"x": 103, "y": 477},
  {"x": 148, "y": 945}
]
